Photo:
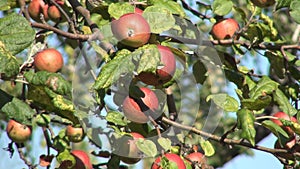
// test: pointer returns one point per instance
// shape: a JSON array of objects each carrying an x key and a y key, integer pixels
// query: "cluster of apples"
[{"x": 38, "y": 7}]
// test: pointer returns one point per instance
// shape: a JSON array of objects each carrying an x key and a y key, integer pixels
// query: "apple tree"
[{"x": 169, "y": 84}]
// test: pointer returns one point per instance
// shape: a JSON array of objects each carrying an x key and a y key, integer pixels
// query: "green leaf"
[
  {"x": 275, "y": 129},
  {"x": 145, "y": 58},
  {"x": 116, "y": 10},
  {"x": 18, "y": 110},
  {"x": 113, "y": 162},
  {"x": 147, "y": 147},
  {"x": 116, "y": 117},
  {"x": 15, "y": 33},
  {"x": 264, "y": 86},
  {"x": 9, "y": 65},
  {"x": 66, "y": 159},
  {"x": 256, "y": 104},
  {"x": 53, "y": 81},
  {"x": 60, "y": 141},
  {"x": 277, "y": 62},
  {"x": 246, "y": 124},
  {"x": 93, "y": 135},
  {"x": 295, "y": 10},
  {"x": 284, "y": 103},
  {"x": 224, "y": 101},
  {"x": 199, "y": 71},
  {"x": 283, "y": 3},
  {"x": 222, "y": 7},
  {"x": 165, "y": 143},
  {"x": 171, "y": 6},
  {"x": 207, "y": 147},
  {"x": 100, "y": 51},
  {"x": 159, "y": 19},
  {"x": 42, "y": 119}
]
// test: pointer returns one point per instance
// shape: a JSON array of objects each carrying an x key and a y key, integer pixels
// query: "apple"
[
  {"x": 134, "y": 111},
  {"x": 131, "y": 149},
  {"x": 18, "y": 132},
  {"x": 37, "y": 7},
  {"x": 74, "y": 134},
  {"x": 282, "y": 115},
  {"x": 131, "y": 29},
  {"x": 172, "y": 158},
  {"x": 138, "y": 11},
  {"x": 163, "y": 74},
  {"x": 224, "y": 29},
  {"x": 49, "y": 60},
  {"x": 263, "y": 3},
  {"x": 54, "y": 13},
  {"x": 82, "y": 160},
  {"x": 196, "y": 157},
  {"x": 287, "y": 144}
]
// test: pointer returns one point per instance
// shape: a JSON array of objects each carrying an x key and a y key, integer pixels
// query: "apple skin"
[
  {"x": 132, "y": 149},
  {"x": 138, "y": 11},
  {"x": 133, "y": 111},
  {"x": 286, "y": 117},
  {"x": 82, "y": 160},
  {"x": 49, "y": 60},
  {"x": 18, "y": 132},
  {"x": 163, "y": 74},
  {"x": 35, "y": 8},
  {"x": 171, "y": 157},
  {"x": 131, "y": 29},
  {"x": 54, "y": 13},
  {"x": 196, "y": 157},
  {"x": 75, "y": 134},
  {"x": 224, "y": 29},
  {"x": 263, "y": 3}
]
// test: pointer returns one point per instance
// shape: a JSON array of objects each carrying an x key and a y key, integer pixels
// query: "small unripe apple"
[
  {"x": 131, "y": 29},
  {"x": 131, "y": 150},
  {"x": 263, "y": 3},
  {"x": 282, "y": 115},
  {"x": 163, "y": 74},
  {"x": 196, "y": 157},
  {"x": 18, "y": 132},
  {"x": 225, "y": 29},
  {"x": 74, "y": 134},
  {"x": 134, "y": 111},
  {"x": 172, "y": 158},
  {"x": 49, "y": 60},
  {"x": 82, "y": 160},
  {"x": 37, "y": 7}
]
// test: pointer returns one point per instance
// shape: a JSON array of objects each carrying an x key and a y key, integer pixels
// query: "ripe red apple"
[
  {"x": 263, "y": 3},
  {"x": 82, "y": 160},
  {"x": 50, "y": 60},
  {"x": 172, "y": 158},
  {"x": 282, "y": 115},
  {"x": 18, "y": 132},
  {"x": 54, "y": 13},
  {"x": 131, "y": 29},
  {"x": 138, "y": 11},
  {"x": 196, "y": 157},
  {"x": 163, "y": 74},
  {"x": 131, "y": 149},
  {"x": 224, "y": 29},
  {"x": 74, "y": 134},
  {"x": 37, "y": 7},
  {"x": 136, "y": 112}
]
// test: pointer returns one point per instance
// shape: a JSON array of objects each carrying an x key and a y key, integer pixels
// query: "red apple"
[
  {"x": 18, "y": 132},
  {"x": 75, "y": 134},
  {"x": 82, "y": 160},
  {"x": 282, "y": 115},
  {"x": 163, "y": 74},
  {"x": 37, "y": 7},
  {"x": 263, "y": 3},
  {"x": 131, "y": 149},
  {"x": 54, "y": 13},
  {"x": 131, "y": 29},
  {"x": 49, "y": 60},
  {"x": 196, "y": 157},
  {"x": 138, "y": 11},
  {"x": 172, "y": 158},
  {"x": 224, "y": 29},
  {"x": 134, "y": 111}
]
